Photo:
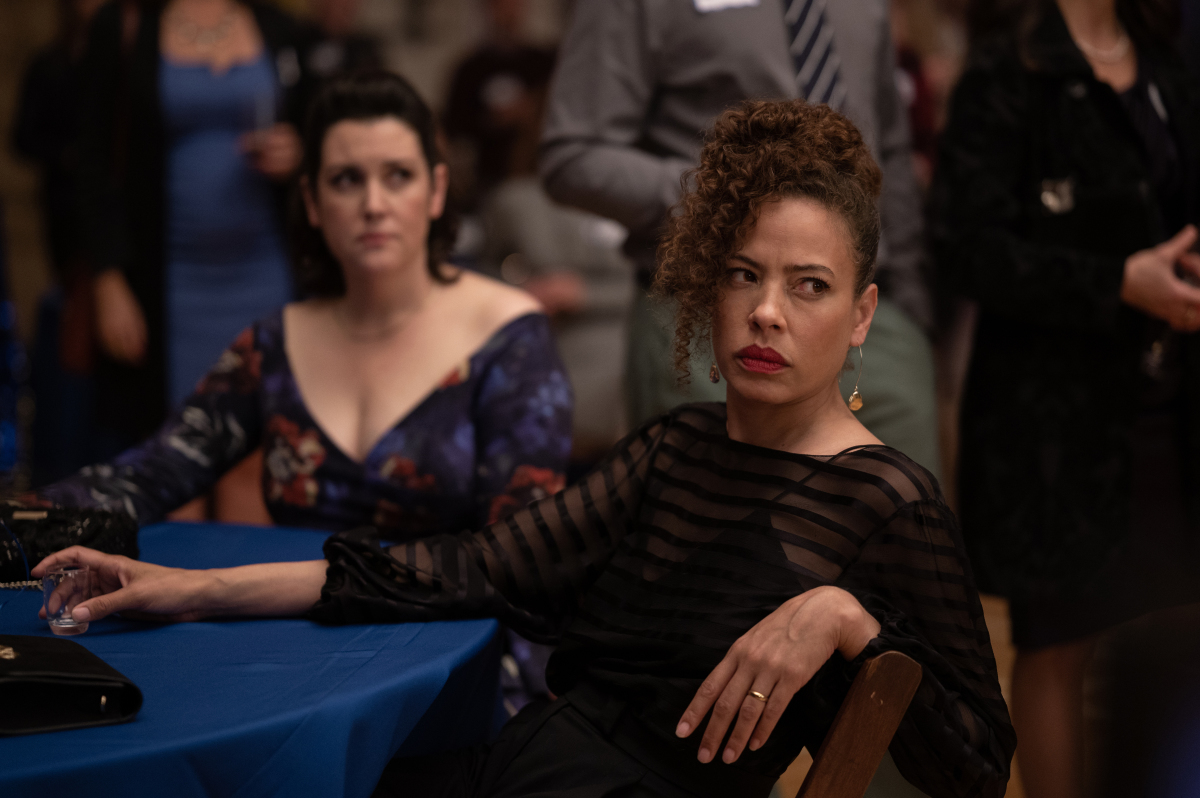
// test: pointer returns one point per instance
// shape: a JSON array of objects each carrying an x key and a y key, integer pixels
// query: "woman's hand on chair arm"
[
  {"x": 775, "y": 658},
  {"x": 154, "y": 592}
]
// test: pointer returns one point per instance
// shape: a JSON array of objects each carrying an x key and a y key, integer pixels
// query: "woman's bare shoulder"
[
  {"x": 489, "y": 303},
  {"x": 909, "y": 480}
]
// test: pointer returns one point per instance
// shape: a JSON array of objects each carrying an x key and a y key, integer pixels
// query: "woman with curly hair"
[{"x": 715, "y": 584}]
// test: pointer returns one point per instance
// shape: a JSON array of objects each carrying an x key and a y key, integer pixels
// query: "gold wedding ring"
[{"x": 757, "y": 696}]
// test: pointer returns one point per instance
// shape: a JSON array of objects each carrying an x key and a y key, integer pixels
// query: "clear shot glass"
[{"x": 62, "y": 591}]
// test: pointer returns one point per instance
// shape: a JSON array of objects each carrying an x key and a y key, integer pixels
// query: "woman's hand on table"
[
  {"x": 775, "y": 659},
  {"x": 139, "y": 589},
  {"x": 154, "y": 592}
]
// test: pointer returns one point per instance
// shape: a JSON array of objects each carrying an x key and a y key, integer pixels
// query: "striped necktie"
[{"x": 818, "y": 69}]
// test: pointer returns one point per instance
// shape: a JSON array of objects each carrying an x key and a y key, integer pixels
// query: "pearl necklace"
[{"x": 1110, "y": 56}]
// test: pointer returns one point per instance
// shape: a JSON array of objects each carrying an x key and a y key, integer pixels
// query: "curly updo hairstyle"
[
  {"x": 757, "y": 152},
  {"x": 361, "y": 96}
]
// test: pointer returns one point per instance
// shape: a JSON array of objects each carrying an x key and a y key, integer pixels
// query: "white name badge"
[{"x": 706, "y": 6}]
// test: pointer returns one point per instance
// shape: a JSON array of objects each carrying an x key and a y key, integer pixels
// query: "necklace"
[
  {"x": 204, "y": 37},
  {"x": 371, "y": 335},
  {"x": 1106, "y": 56}
]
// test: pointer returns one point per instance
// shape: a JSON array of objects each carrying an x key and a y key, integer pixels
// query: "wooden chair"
[{"x": 863, "y": 728}]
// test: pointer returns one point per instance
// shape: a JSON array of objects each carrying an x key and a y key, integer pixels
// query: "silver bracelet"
[{"x": 28, "y": 585}]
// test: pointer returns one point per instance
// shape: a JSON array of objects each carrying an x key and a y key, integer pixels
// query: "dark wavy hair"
[
  {"x": 363, "y": 95},
  {"x": 757, "y": 152}
]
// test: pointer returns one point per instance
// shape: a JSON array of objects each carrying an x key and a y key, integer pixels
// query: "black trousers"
[{"x": 553, "y": 750}]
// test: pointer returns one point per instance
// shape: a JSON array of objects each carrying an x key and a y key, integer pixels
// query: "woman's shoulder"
[
  {"x": 491, "y": 302},
  {"x": 863, "y": 468},
  {"x": 884, "y": 469},
  {"x": 489, "y": 307}
]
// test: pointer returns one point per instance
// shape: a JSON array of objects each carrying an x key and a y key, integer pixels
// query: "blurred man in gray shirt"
[{"x": 637, "y": 85}]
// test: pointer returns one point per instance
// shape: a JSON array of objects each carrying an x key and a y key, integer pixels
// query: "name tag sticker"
[{"x": 707, "y": 6}]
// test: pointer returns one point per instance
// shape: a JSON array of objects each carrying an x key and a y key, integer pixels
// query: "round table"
[{"x": 258, "y": 707}]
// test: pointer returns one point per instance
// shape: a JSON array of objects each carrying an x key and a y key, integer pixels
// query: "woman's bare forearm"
[{"x": 281, "y": 588}]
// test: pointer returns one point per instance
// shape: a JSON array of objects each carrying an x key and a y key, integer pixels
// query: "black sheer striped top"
[{"x": 649, "y": 568}]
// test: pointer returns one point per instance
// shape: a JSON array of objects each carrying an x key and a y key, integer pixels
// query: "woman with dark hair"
[
  {"x": 1065, "y": 204},
  {"x": 404, "y": 392},
  {"x": 717, "y": 581},
  {"x": 188, "y": 144}
]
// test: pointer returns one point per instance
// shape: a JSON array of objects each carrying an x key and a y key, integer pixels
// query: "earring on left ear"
[
  {"x": 714, "y": 376},
  {"x": 855, "y": 401}
]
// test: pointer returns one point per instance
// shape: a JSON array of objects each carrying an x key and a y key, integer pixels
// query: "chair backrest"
[{"x": 863, "y": 728}]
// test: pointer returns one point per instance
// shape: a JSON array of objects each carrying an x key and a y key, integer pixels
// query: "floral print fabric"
[{"x": 493, "y": 436}]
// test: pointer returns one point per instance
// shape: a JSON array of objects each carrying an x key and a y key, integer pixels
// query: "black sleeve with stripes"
[
  {"x": 913, "y": 576},
  {"x": 527, "y": 570}
]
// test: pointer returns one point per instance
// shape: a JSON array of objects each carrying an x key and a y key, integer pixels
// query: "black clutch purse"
[
  {"x": 27, "y": 536},
  {"x": 48, "y": 684}
]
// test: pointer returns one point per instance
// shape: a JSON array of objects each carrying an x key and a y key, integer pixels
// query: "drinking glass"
[{"x": 62, "y": 590}]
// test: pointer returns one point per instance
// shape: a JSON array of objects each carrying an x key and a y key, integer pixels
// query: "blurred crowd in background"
[{"x": 491, "y": 93}]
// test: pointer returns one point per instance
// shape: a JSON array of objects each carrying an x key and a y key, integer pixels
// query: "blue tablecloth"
[{"x": 257, "y": 707}]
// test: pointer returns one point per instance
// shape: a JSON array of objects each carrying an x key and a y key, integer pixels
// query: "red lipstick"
[{"x": 764, "y": 360}]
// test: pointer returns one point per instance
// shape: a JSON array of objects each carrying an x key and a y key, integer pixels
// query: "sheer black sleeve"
[
  {"x": 913, "y": 576},
  {"x": 528, "y": 570}
]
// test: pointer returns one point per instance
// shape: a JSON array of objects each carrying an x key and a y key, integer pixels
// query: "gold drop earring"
[
  {"x": 714, "y": 376},
  {"x": 855, "y": 402}
]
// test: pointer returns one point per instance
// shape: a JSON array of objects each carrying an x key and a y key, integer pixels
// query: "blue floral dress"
[{"x": 493, "y": 436}]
